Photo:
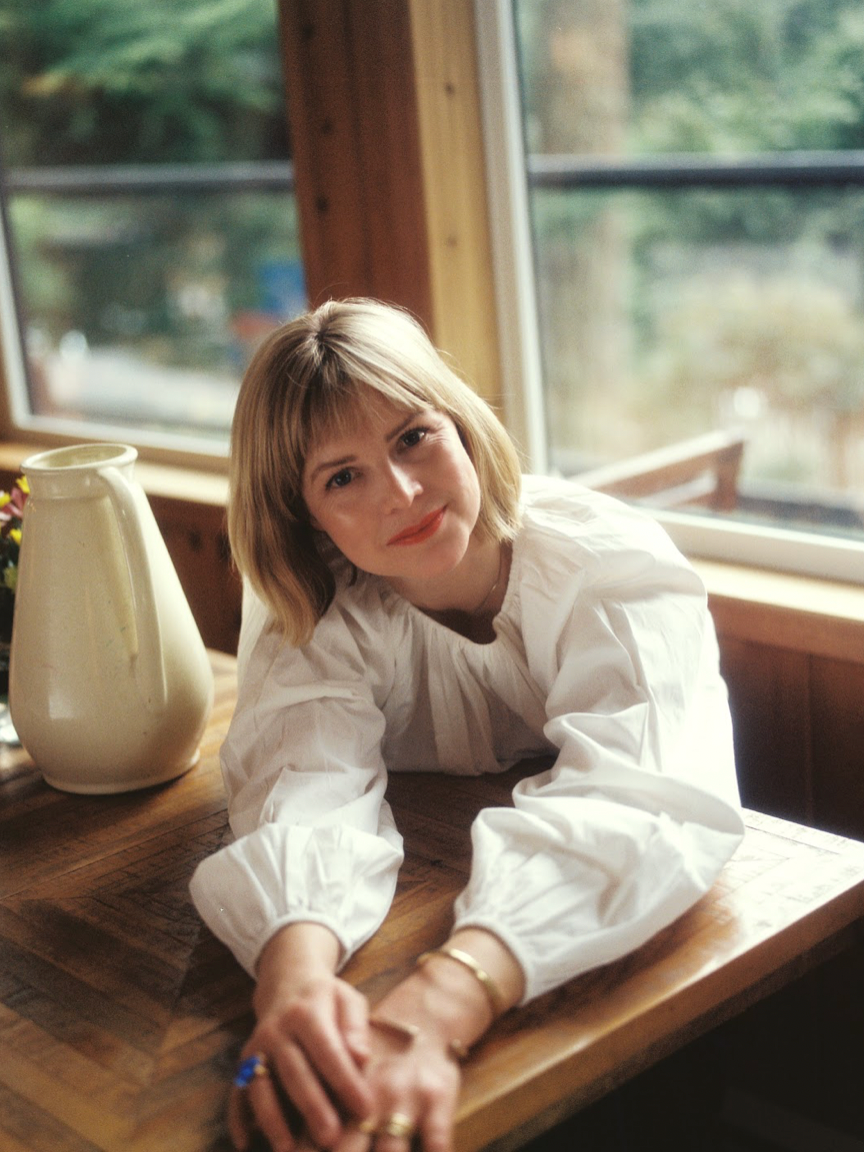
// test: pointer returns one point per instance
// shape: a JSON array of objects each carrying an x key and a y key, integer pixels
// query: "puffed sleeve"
[
  {"x": 639, "y": 813},
  {"x": 315, "y": 839}
]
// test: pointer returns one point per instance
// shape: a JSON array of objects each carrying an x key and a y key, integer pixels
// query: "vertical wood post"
[
  {"x": 349, "y": 78},
  {"x": 384, "y": 110}
]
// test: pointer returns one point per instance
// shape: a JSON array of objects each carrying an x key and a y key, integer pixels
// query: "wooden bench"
[
  {"x": 121, "y": 1016},
  {"x": 701, "y": 471}
]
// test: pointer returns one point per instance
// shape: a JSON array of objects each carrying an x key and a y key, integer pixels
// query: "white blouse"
[{"x": 605, "y": 655}]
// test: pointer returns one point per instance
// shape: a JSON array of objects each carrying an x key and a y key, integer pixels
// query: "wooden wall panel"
[
  {"x": 837, "y": 718},
  {"x": 769, "y": 690},
  {"x": 385, "y": 119},
  {"x": 197, "y": 542},
  {"x": 464, "y": 308}
]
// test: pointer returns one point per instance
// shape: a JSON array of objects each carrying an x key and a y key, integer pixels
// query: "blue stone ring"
[{"x": 248, "y": 1069}]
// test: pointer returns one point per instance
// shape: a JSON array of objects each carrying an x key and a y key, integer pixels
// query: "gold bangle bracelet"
[{"x": 467, "y": 961}]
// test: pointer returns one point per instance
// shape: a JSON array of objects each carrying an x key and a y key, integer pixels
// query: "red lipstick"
[{"x": 421, "y": 531}]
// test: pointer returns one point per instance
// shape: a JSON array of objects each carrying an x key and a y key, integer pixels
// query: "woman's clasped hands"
[{"x": 321, "y": 1071}]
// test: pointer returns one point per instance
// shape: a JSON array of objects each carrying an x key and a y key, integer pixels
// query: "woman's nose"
[{"x": 402, "y": 487}]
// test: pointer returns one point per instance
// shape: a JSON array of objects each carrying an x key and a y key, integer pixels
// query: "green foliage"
[
  {"x": 734, "y": 76},
  {"x": 710, "y": 294},
  {"x": 719, "y": 76},
  {"x": 108, "y": 82},
  {"x": 111, "y": 81}
]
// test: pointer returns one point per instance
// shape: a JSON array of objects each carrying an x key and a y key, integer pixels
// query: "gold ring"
[
  {"x": 368, "y": 1126},
  {"x": 397, "y": 1125}
]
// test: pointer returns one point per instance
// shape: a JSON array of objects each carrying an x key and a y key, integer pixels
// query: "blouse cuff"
[
  {"x": 336, "y": 876},
  {"x": 660, "y": 875}
]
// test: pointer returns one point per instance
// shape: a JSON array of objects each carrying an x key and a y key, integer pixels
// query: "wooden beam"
[
  {"x": 349, "y": 76},
  {"x": 384, "y": 108},
  {"x": 454, "y": 182},
  {"x": 667, "y": 476}
]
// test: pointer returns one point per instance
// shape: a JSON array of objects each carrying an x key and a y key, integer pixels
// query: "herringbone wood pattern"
[{"x": 94, "y": 889}]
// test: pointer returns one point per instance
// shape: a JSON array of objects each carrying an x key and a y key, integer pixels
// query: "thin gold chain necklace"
[{"x": 488, "y": 595}]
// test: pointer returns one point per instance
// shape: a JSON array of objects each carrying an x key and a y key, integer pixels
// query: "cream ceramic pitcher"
[{"x": 109, "y": 685}]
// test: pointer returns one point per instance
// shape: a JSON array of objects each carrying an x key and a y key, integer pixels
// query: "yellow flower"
[
  {"x": 15, "y": 534},
  {"x": 4, "y": 499},
  {"x": 23, "y": 484}
]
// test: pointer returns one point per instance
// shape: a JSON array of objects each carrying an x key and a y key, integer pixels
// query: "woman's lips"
[{"x": 421, "y": 531}]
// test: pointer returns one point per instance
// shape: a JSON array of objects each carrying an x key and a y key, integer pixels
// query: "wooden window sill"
[{"x": 782, "y": 610}]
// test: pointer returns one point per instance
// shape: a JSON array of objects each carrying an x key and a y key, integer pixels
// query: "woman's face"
[{"x": 397, "y": 495}]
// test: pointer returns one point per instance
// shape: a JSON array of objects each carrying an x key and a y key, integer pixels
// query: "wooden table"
[{"x": 121, "y": 1016}]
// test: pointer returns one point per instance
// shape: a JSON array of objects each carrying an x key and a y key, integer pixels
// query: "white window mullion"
[{"x": 521, "y": 383}]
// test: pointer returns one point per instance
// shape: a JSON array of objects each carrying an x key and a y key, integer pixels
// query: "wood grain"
[
  {"x": 769, "y": 697},
  {"x": 349, "y": 76},
  {"x": 453, "y": 171},
  {"x": 121, "y": 1017}
]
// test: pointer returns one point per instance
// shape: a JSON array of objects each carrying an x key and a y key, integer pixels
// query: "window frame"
[
  {"x": 17, "y": 421},
  {"x": 356, "y": 92},
  {"x": 508, "y": 169}
]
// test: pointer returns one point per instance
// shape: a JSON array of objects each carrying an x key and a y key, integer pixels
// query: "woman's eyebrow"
[
  {"x": 402, "y": 425},
  {"x": 326, "y": 465}
]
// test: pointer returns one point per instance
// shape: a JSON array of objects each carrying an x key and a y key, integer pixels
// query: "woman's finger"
[
  {"x": 437, "y": 1129},
  {"x": 325, "y": 1047},
  {"x": 288, "y": 1083},
  {"x": 301, "y": 1083},
  {"x": 263, "y": 1100},
  {"x": 355, "y": 1138},
  {"x": 352, "y": 1017},
  {"x": 394, "y": 1132},
  {"x": 239, "y": 1128},
  {"x": 257, "y": 1107}
]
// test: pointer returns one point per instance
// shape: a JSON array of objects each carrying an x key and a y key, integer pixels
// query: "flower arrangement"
[{"x": 11, "y": 511}]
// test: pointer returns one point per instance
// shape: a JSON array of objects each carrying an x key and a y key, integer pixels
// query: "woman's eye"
[
  {"x": 413, "y": 436},
  {"x": 340, "y": 479}
]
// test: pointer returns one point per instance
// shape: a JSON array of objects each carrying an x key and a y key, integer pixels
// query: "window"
[
  {"x": 150, "y": 236},
  {"x": 691, "y": 219}
]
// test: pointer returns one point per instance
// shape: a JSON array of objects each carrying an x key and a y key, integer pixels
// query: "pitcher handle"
[{"x": 148, "y": 662}]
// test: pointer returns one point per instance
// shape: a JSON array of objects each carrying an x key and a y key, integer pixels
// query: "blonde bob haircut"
[{"x": 308, "y": 380}]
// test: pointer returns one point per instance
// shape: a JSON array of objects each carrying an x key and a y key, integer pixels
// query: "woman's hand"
[
  {"x": 312, "y": 1033},
  {"x": 417, "y": 1032},
  {"x": 415, "y": 1085},
  {"x": 351, "y": 1082}
]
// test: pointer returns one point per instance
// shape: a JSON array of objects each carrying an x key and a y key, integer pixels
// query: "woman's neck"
[{"x": 469, "y": 597}]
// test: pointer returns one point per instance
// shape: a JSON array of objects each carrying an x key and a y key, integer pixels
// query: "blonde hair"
[{"x": 304, "y": 382}]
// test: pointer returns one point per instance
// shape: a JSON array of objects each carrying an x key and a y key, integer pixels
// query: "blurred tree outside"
[
  {"x": 110, "y": 82},
  {"x": 103, "y": 83},
  {"x": 714, "y": 306}
]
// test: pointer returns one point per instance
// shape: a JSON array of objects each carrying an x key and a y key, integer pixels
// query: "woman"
[{"x": 413, "y": 603}]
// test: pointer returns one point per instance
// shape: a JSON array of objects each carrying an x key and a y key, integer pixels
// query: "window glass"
[
  {"x": 696, "y": 194},
  {"x": 149, "y": 212}
]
